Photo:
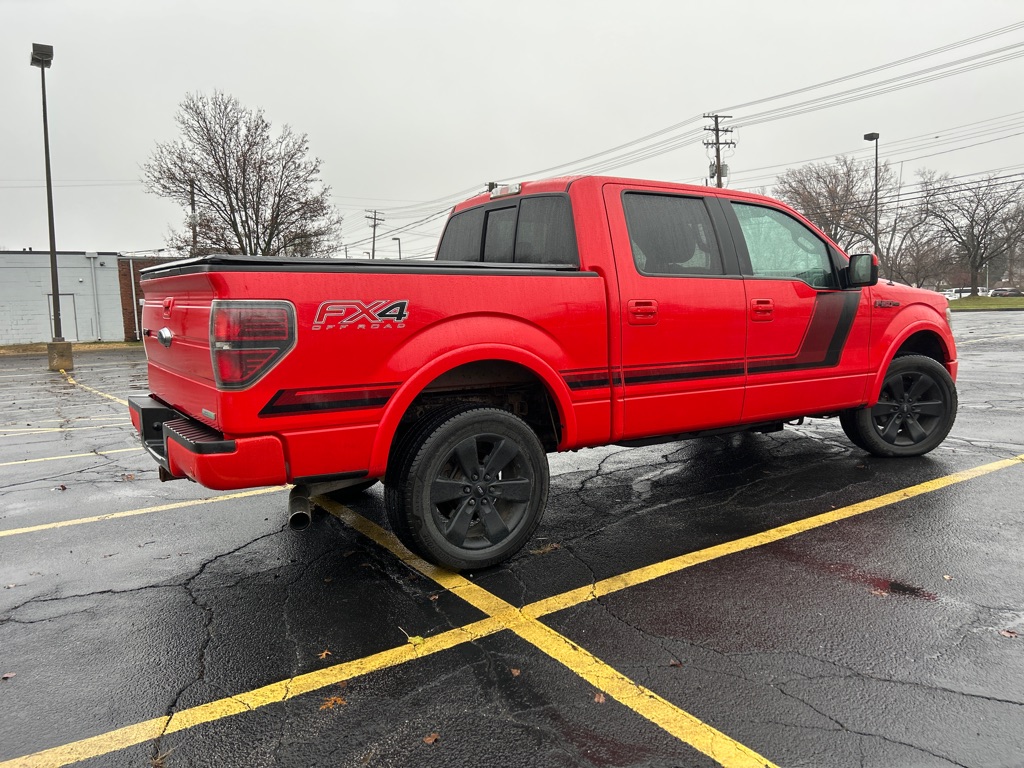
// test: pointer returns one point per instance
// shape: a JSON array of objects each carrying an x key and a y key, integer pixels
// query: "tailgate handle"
[
  {"x": 643, "y": 312},
  {"x": 168, "y": 306}
]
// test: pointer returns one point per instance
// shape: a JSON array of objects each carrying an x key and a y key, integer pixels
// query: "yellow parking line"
[
  {"x": 68, "y": 456},
  {"x": 666, "y": 567},
  {"x": 23, "y": 431},
  {"x": 684, "y": 726},
  {"x": 134, "y": 512},
  {"x": 121, "y": 738},
  {"x": 90, "y": 389},
  {"x": 503, "y": 616}
]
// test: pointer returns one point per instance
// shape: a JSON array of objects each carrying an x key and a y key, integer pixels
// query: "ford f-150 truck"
[{"x": 558, "y": 314}]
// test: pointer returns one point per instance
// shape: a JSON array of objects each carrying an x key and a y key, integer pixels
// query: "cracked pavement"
[{"x": 893, "y": 638}]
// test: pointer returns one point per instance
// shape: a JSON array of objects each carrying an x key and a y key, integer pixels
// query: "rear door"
[
  {"x": 681, "y": 312},
  {"x": 807, "y": 337}
]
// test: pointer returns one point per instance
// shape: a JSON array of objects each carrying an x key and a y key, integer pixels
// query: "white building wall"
[{"x": 90, "y": 303}]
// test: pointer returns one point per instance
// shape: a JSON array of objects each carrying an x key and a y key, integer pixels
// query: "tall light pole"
[
  {"x": 874, "y": 137},
  {"x": 399, "y": 247},
  {"x": 58, "y": 351}
]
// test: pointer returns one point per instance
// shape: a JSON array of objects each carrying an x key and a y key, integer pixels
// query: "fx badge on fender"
[{"x": 886, "y": 303}]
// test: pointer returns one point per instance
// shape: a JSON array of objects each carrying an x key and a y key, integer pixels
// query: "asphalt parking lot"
[{"x": 751, "y": 600}]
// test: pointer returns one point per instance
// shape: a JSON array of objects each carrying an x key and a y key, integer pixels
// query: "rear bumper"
[{"x": 183, "y": 447}]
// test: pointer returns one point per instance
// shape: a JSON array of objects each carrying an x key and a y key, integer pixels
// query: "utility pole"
[
  {"x": 718, "y": 143},
  {"x": 375, "y": 218}
]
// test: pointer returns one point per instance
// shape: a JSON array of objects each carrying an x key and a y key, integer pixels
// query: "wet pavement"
[{"x": 779, "y": 599}]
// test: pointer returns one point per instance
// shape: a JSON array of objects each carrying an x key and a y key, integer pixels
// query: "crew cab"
[{"x": 558, "y": 315}]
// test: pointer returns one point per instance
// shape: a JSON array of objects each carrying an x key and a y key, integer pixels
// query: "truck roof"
[{"x": 562, "y": 184}]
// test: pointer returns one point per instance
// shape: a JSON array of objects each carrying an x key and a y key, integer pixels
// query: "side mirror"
[{"x": 863, "y": 270}]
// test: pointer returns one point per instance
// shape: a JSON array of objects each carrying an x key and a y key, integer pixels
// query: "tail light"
[{"x": 248, "y": 338}]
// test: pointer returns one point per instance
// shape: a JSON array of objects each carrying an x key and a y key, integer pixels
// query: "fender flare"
[
  {"x": 923, "y": 324},
  {"x": 418, "y": 382}
]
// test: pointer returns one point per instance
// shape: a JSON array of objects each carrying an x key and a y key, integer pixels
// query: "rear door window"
[{"x": 671, "y": 235}]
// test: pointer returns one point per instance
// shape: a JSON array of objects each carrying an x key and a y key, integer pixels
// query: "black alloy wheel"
[
  {"x": 476, "y": 489},
  {"x": 916, "y": 409}
]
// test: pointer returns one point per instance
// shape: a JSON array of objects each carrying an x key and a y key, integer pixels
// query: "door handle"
[
  {"x": 642, "y": 312},
  {"x": 762, "y": 309}
]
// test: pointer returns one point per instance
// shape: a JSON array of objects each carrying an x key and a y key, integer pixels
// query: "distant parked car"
[{"x": 1007, "y": 292}]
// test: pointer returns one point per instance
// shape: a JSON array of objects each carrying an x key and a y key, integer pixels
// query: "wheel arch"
[
  {"x": 482, "y": 373},
  {"x": 919, "y": 338}
]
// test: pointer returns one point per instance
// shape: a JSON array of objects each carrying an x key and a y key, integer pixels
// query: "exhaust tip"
[
  {"x": 299, "y": 521},
  {"x": 300, "y": 511}
]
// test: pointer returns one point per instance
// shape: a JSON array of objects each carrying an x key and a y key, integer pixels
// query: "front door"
[{"x": 807, "y": 338}]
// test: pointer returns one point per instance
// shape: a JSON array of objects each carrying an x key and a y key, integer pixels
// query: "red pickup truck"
[{"x": 558, "y": 315}]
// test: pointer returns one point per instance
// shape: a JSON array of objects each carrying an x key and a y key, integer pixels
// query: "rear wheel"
[
  {"x": 915, "y": 410},
  {"x": 475, "y": 488}
]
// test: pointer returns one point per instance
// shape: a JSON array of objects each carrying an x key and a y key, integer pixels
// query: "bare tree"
[
  {"x": 255, "y": 193},
  {"x": 983, "y": 220}
]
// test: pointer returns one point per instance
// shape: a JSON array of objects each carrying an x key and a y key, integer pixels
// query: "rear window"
[
  {"x": 533, "y": 230},
  {"x": 462, "y": 237}
]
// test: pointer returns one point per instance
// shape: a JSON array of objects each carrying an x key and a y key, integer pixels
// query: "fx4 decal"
[{"x": 380, "y": 314}]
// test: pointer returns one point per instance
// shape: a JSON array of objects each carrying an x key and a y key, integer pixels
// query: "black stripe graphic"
[{"x": 288, "y": 401}]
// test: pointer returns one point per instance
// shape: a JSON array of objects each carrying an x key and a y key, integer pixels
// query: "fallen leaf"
[
  {"x": 675, "y": 663},
  {"x": 546, "y": 548},
  {"x": 1008, "y": 633},
  {"x": 599, "y": 698},
  {"x": 7, "y": 675},
  {"x": 325, "y": 654},
  {"x": 432, "y": 738},
  {"x": 127, "y": 478},
  {"x": 947, "y": 577},
  {"x": 61, "y": 487},
  {"x": 413, "y": 639},
  {"x": 328, "y": 580},
  {"x": 433, "y": 598},
  {"x": 516, "y": 672},
  {"x": 879, "y": 592},
  {"x": 332, "y": 702}
]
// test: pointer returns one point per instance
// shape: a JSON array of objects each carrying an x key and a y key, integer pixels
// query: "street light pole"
[
  {"x": 399, "y": 247},
  {"x": 59, "y": 351},
  {"x": 874, "y": 137}
]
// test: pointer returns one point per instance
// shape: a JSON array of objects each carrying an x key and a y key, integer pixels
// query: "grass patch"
[{"x": 969, "y": 303}]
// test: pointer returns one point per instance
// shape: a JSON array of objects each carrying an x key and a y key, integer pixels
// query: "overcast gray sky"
[{"x": 412, "y": 104}]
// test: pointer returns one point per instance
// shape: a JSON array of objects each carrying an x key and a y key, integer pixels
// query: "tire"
[
  {"x": 475, "y": 488},
  {"x": 403, "y": 451},
  {"x": 847, "y": 420},
  {"x": 915, "y": 410}
]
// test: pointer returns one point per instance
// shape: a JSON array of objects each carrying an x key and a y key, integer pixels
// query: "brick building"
[{"x": 128, "y": 267}]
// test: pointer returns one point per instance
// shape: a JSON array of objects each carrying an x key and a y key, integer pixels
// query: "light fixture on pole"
[
  {"x": 874, "y": 137},
  {"x": 399, "y": 247},
  {"x": 58, "y": 351}
]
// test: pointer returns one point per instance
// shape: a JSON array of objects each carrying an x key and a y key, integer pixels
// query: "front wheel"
[
  {"x": 914, "y": 413},
  {"x": 475, "y": 490}
]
